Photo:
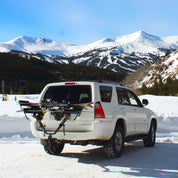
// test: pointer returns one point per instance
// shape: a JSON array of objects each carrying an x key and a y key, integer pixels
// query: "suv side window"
[
  {"x": 127, "y": 97},
  {"x": 122, "y": 96},
  {"x": 134, "y": 101},
  {"x": 105, "y": 93}
]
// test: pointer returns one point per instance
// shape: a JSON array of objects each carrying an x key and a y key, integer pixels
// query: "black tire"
[
  {"x": 114, "y": 147},
  {"x": 52, "y": 146},
  {"x": 150, "y": 140}
]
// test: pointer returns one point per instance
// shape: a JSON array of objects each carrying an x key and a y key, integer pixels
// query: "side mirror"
[{"x": 145, "y": 102}]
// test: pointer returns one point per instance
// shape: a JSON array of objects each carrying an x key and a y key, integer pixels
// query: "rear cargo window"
[
  {"x": 74, "y": 94},
  {"x": 105, "y": 93}
]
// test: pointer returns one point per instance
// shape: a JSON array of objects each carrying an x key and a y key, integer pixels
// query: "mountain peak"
[
  {"x": 141, "y": 32},
  {"x": 141, "y": 35},
  {"x": 31, "y": 40}
]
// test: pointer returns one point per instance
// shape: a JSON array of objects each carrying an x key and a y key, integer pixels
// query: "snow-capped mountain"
[
  {"x": 166, "y": 67},
  {"x": 124, "y": 54}
]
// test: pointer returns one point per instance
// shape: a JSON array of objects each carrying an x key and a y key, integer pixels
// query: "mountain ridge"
[
  {"x": 125, "y": 53},
  {"x": 163, "y": 70},
  {"x": 162, "y": 73}
]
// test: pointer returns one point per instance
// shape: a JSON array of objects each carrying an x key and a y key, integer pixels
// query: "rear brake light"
[
  {"x": 70, "y": 83},
  {"x": 99, "y": 112},
  {"x": 36, "y": 104}
]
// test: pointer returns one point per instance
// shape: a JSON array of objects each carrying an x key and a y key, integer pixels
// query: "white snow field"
[{"x": 22, "y": 155}]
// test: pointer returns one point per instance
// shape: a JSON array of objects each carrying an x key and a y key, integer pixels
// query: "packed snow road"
[
  {"x": 27, "y": 159},
  {"x": 21, "y": 155}
]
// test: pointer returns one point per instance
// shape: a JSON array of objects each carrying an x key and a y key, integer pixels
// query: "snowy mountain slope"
[
  {"x": 36, "y": 45},
  {"x": 136, "y": 42},
  {"x": 125, "y": 53},
  {"x": 166, "y": 67}
]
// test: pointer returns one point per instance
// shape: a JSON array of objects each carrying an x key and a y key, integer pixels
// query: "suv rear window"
[
  {"x": 74, "y": 94},
  {"x": 105, "y": 93}
]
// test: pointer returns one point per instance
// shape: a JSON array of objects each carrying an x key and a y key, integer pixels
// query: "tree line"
[
  {"x": 170, "y": 87},
  {"x": 27, "y": 75}
]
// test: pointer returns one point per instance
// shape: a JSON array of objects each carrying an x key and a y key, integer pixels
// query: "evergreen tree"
[
  {"x": 22, "y": 75},
  {"x": 160, "y": 88}
]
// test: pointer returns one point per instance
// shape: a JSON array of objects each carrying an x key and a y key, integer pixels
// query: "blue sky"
[{"x": 86, "y": 21}]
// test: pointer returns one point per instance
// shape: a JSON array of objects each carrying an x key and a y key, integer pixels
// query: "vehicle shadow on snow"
[{"x": 158, "y": 161}]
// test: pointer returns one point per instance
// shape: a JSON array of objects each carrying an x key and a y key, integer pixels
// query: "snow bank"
[
  {"x": 13, "y": 122},
  {"x": 8, "y": 108},
  {"x": 166, "y": 109}
]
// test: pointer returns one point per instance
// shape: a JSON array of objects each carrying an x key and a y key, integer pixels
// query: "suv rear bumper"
[{"x": 101, "y": 131}]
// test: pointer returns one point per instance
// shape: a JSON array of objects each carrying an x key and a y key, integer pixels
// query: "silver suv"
[{"x": 90, "y": 113}]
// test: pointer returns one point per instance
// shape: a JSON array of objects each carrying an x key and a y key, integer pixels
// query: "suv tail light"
[
  {"x": 99, "y": 112},
  {"x": 70, "y": 83}
]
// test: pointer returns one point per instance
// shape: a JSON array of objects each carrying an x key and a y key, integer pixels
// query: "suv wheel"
[
  {"x": 52, "y": 146},
  {"x": 149, "y": 141},
  {"x": 114, "y": 147}
]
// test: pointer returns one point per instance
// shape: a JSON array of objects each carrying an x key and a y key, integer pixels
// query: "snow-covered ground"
[{"x": 21, "y": 155}]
